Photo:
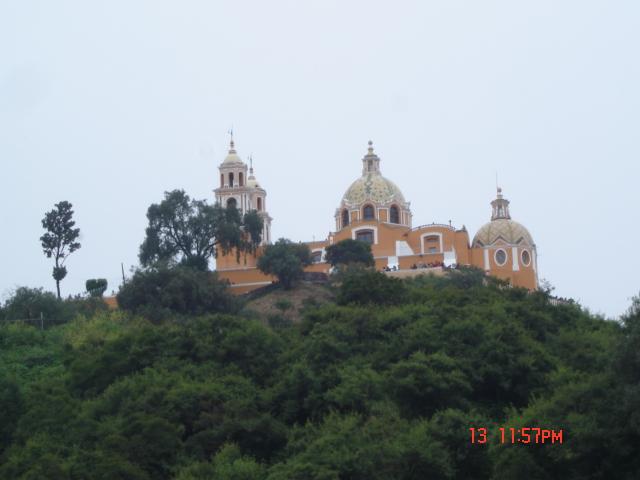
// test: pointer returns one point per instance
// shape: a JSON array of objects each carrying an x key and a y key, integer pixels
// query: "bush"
[
  {"x": 283, "y": 305},
  {"x": 286, "y": 260},
  {"x": 96, "y": 286},
  {"x": 11, "y": 406},
  {"x": 34, "y": 303},
  {"x": 350, "y": 252},
  {"x": 279, "y": 321},
  {"x": 87, "y": 307},
  {"x": 160, "y": 292},
  {"x": 467, "y": 277},
  {"x": 361, "y": 286}
]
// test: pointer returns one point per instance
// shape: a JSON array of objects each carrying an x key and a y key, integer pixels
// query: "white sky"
[{"x": 109, "y": 104}]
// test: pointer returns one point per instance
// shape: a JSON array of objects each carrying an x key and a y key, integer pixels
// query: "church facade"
[{"x": 374, "y": 210}]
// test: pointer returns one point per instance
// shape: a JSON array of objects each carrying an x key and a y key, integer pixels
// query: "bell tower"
[{"x": 242, "y": 191}]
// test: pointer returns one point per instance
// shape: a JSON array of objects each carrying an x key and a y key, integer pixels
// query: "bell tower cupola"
[
  {"x": 500, "y": 207},
  {"x": 370, "y": 162}
]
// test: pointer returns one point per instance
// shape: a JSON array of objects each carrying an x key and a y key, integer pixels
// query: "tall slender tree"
[{"x": 60, "y": 238}]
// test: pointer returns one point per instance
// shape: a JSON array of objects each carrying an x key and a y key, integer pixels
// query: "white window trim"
[
  {"x": 322, "y": 253},
  {"x": 431, "y": 234},
  {"x": 514, "y": 254},
  {"x": 495, "y": 257},
  {"x": 525, "y": 264},
  {"x": 354, "y": 232}
]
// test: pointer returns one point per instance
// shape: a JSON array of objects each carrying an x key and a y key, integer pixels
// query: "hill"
[
  {"x": 359, "y": 386},
  {"x": 288, "y": 304}
]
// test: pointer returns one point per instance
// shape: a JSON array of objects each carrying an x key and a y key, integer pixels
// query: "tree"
[
  {"x": 162, "y": 291},
  {"x": 227, "y": 464},
  {"x": 96, "y": 286},
  {"x": 366, "y": 286},
  {"x": 32, "y": 303},
  {"x": 348, "y": 252},
  {"x": 60, "y": 239},
  {"x": 190, "y": 231},
  {"x": 11, "y": 407},
  {"x": 286, "y": 260},
  {"x": 425, "y": 383}
]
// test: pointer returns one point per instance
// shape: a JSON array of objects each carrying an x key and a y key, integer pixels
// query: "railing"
[
  {"x": 38, "y": 322},
  {"x": 442, "y": 225},
  {"x": 561, "y": 301}
]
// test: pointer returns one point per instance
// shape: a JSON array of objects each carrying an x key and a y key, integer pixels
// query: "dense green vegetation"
[
  {"x": 160, "y": 292},
  {"x": 350, "y": 252},
  {"x": 364, "y": 389},
  {"x": 286, "y": 260}
]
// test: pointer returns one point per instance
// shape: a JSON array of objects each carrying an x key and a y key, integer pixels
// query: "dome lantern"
[
  {"x": 370, "y": 162},
  {"x": 500, "y": 207}
]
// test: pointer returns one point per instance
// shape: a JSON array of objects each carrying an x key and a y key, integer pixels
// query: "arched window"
[
  {"x": 432, "y": 244},
  {"x": 365, "y": 236},
  {"x": 240, "y": 179},
  {"x": 368, "y": 213},
  {"x": 221, "y": 180},
  {"x": 345, "y": 218},
  {"x": 316, "y": 257},
  {"x": 259, "y": 204},
  {"x": 232, "y": 203},
  {"x": 394, "y": 214},
  {"x": 231, "y": 179}
]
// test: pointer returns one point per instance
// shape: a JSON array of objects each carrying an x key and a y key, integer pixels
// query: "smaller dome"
[
  {"x": 232, "y": 157},
  {"x": 252, "y": 182},
  {"x": 251, "y": 179},
  {"x": 501, "y": 227},
  {"x": 504, "y": 229}
]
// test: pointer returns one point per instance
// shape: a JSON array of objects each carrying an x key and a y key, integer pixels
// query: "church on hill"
[{"x": 374, "y": 210}]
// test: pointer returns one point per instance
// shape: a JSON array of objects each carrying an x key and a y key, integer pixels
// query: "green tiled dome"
[{"x": 373, "y": 187}]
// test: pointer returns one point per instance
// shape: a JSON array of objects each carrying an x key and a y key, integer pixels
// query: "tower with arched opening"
[{"x": 240, "y": 188}]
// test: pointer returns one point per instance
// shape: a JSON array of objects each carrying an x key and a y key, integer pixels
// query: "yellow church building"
[{"x": 374, "y": 210}]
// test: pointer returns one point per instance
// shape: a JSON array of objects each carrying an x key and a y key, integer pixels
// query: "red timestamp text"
[{"x": 524, "y": 435}]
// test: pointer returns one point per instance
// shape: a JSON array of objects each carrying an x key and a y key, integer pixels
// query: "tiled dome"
[
  {"x": 374, "y": 188},
  {"x": 501, "y": 227},
  {"x": 504, "y": 229}
]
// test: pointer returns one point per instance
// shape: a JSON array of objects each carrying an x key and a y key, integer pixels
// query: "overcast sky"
[{"x": 109, "y": 104}]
